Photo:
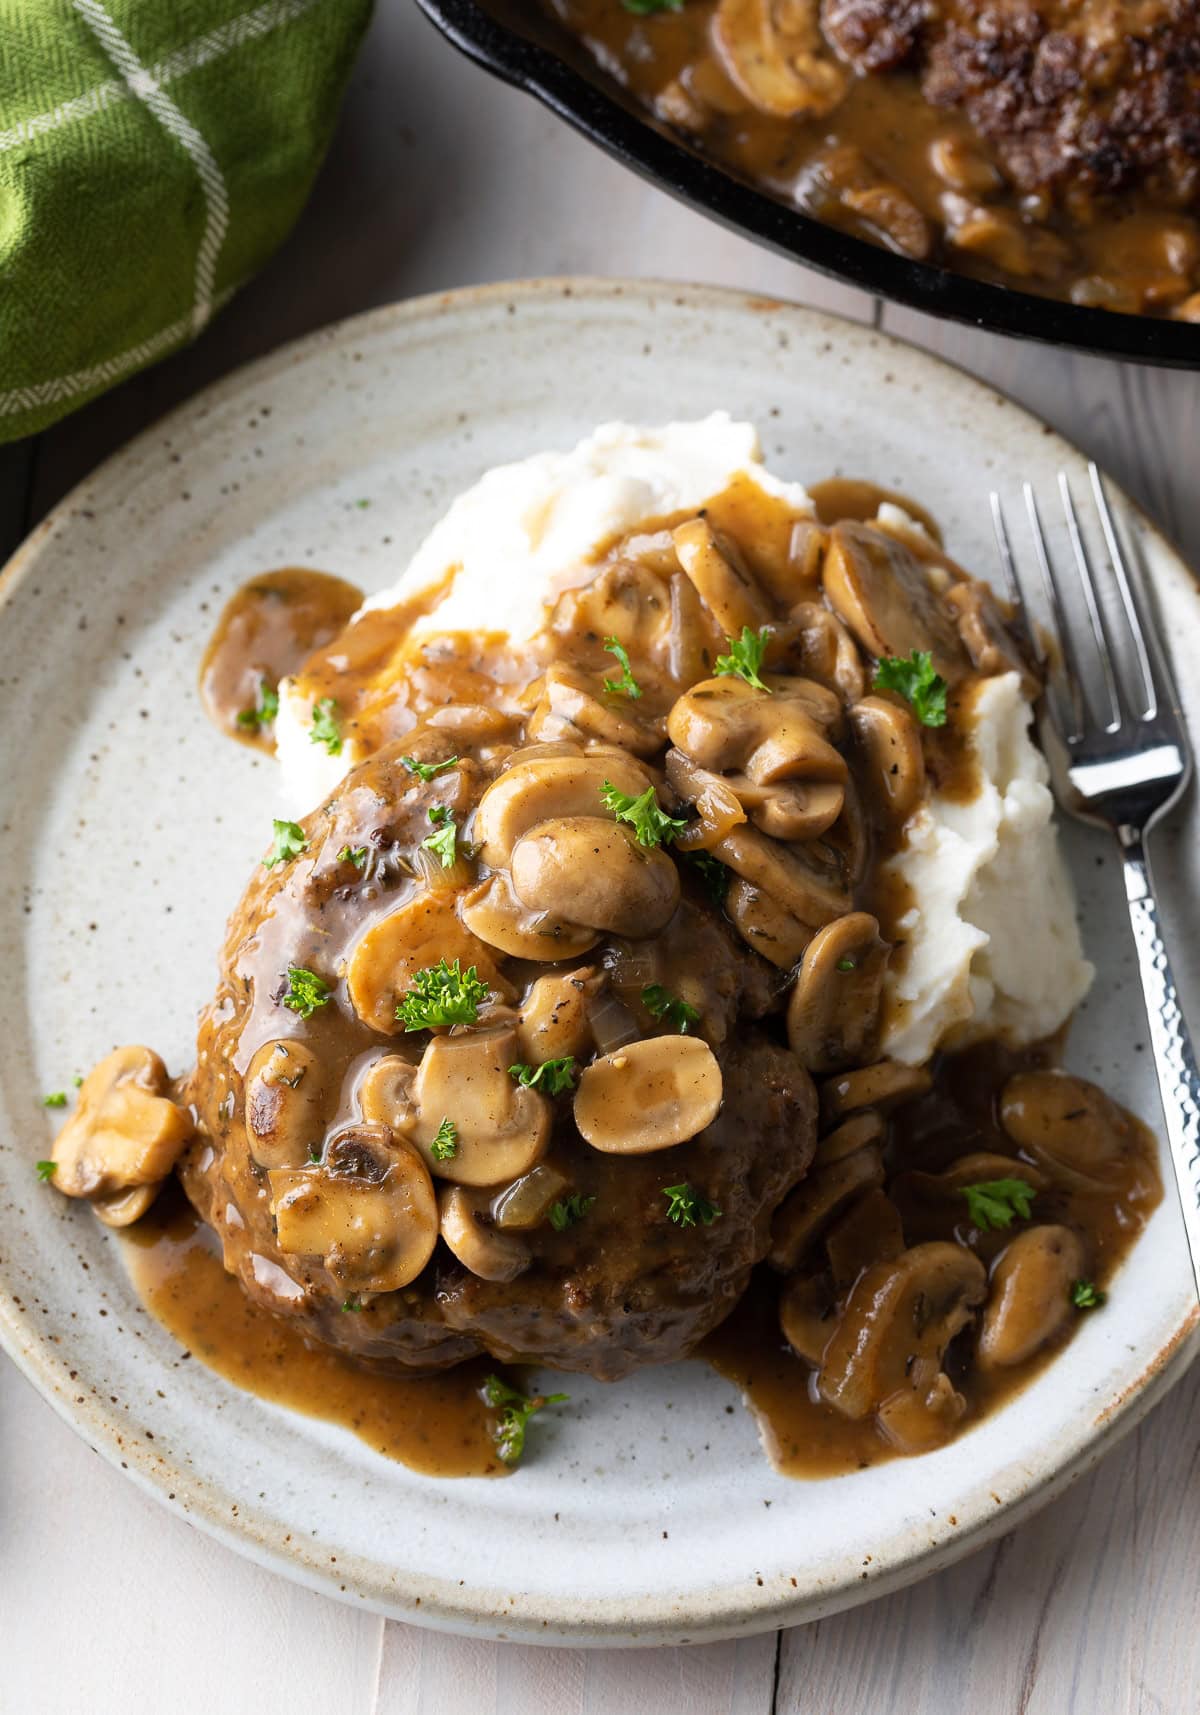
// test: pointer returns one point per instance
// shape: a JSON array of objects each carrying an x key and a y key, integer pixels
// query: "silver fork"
[{"x": 1122, "y": 766}]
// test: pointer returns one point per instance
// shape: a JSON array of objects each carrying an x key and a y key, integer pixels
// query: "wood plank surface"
[{"x": 441, "y": 177}]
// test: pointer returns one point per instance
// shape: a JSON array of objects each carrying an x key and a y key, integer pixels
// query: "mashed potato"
[{"x": 992, "y": 946}]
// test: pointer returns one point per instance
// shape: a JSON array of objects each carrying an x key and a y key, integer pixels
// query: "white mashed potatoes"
[{"x": 992, "y": 946}]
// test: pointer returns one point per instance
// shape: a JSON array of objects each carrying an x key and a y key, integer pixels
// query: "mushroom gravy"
[
  {"x": 1046, "y": 146},
  {"x": 564, "y": 1017}
]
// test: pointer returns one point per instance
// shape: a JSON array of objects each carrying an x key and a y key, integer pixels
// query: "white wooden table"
[{"x": 440, "y": 177}]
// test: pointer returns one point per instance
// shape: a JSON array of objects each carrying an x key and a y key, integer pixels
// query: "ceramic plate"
[{"x": 127, "y": 829}]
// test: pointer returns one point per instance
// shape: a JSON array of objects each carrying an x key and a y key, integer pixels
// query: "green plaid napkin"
[{"x": 153, "y": 153}]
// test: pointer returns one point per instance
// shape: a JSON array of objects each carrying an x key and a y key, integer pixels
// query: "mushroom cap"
[
  {"x": 554, "y": 1019},
  {"x": 368, "y": 1210},
  {"x": 571, "y": 707},
  {"x": 887, "y": 599},
  {"x": 885, "y": 1085},
  {"x": 125, "y": 1130},
  {"x": 285, "y": 1103},
  {"x": 719, "y": 578},
  {"x": 725, "y": 724},
  {"x": 592, "y": 870},
  {"x": 1072, "y": 1130},
  {"x": 1030, "y": 1298},
  {"x": 893, "y": 778},
  {"x": 833, "y": 1013},
  {"x": 778, "y": 58},
  {"x": 466, "y": 1226},
  {"x": 493, "y": 913},
  {"x": 650, "y": 1095},
  {"x": 887, "y": 1350},
  {"x": 817, "y": 1202},
  {"x": 393, "y": 948},
  {"x": 536, "y": 787}
]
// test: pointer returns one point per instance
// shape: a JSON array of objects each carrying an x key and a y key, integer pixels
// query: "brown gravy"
[
  {"x": 268, "y": 628},
  {"x": 437, "y": 1425}
]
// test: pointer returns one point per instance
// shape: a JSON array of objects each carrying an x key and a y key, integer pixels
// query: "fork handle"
[{"x": 1174, "y": 1058}]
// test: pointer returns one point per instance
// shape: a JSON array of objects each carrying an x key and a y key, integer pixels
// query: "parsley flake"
[
  {"x": 265, "y": 710},
  {"x": 290, "y": 842},
  {"x": 554, "y": 1077},
  {"x": 915, "y": 680},
  {"x": 662, "y": 1004},
  {"x": 353, "y": 1304},
  {"x": 357, "y": 855},
  {"x": 325, "y": 729},
  {"x": 306, "y": 991},
  {"x": 685, "y": 1206},
  {"x": 427, "y": 771},
  {"x": 651, "y": 824},
  {"x": 1085, "y": 1296},
  {"x": 45, "y": 1170},
  {"x": 513, "y": 1410},
  {"x": 442, "y": 994},
  {"x": 712, "y": 873},
  {"x": 626, "y": 685},
  {"x": 993, "y": 1203},
  {"x": 745, "y": 657},
  {"x": 847, "y": 965},
  {"x": 648, "y": 8},
  {"x": 442, "y": 842},
  {"x": 568, "y": 1210},
  {"x": 56, "y": 1099},
  {"x": 445, "y": 1141}
]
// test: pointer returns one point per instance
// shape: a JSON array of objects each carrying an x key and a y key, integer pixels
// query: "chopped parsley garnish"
[
  {"x": 647, "y": 8},
  {"x": 290, "y": 842},
  {"x": 626, "y": 685},
  {"x": 994, "y": 1203},
  {"x": 442, "y": 843},
  {"x": 325, "y": 729},
  {"x": 56, "y": 1099},
  {"x": 712, "y": 873},
  {"x": 352, "y": 1304},
  {"x": 357, "y": 855},
  {"x": 686, "y": 1206},
  {"x": 915, "y": 680},
  {"x": 442, "y": 994},
  {"x": 314, "y": 1154},
  {"x": 445, "y": 1141},
  {"x": 77, "y": 1081},
  {"x": 847, "y": 964},
  {"x": 565, "y": 1213},
  {"x": 662, "y": 1004},
  {"x": 745, "y": 657},
  {"x": 45, "y": 1170},
  {"x": 306, "y": 991},
  {"x": 552, "y": 1076},
  {"x": 1084, "y": 1296},
  {"x": 514, "y": 1410},
  {"x": 266, "y": 708},
  {"x": 427, "y": 771},
  {"x": 652, "y": 825}
]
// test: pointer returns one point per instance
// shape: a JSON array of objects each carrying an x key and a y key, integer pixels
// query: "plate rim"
[{"x": 640, "y": 1620}]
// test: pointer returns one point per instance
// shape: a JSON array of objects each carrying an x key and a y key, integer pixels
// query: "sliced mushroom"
[
  {"x": 886, "y": 1354},
  {"x": 717, "y": 805},
  {"x": 535, "y": 788},
  {"x": 388, "y": 955},
  {"x": 725, "y": 724},
  {"x": 629, "y": 600},
  {"x": 465, "y": 1223},
  {"x": 554, "y": 1019},
  {"x": 808, "y": 1315},
  {"x": 721, "y": 580},
  {"x": 986, "y": 638},
  {"x": 593, "y": 871},
  {"x": 885, "y": 1085},
  {"x": 285, "y": 1104},
  {"x": 791, "y": 809},
  {"x": 693, "y": 641},
  {"x": 501, "y": 1128},
  {"x": 493, "y": 913},
  {"x": 816, "y": 1203},
  {"x": 819, "y": 647},
  {"x": 123, "y": 1208},
  {"x": 888, "y": 599},
  {"x": 571, "y": 707},
  {"x": 773, "y": 50},
  {"x": 1030, "y": 1299},
  {"x": 125, "y": 1132},
  {"x": 893, "y": 776},
  {"x": 650, "y": 1095},
  {"x": 526, "y": 1203},
  {"x": 981, "y": 1167},
  {"x": 852, "y": 1135},
  {"x": 764, "y": 925},
  {"x": 1072, "y": 1130},
  {"x": 787, "y": 874},
  {"x": 368, "y": 1211},
  {"x": 833, "y": 1013}
]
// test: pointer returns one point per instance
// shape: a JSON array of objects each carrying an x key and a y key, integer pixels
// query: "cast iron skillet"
[{"x": 515, "y": 41}]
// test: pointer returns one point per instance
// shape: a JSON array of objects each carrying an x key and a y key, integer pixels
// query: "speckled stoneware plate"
[{"x": 127, "y": 828}]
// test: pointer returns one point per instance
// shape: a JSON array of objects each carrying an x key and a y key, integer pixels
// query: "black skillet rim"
[{"x": 655, "y": 154}]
